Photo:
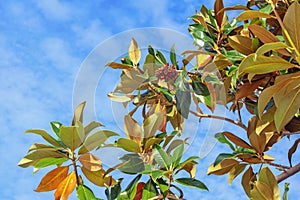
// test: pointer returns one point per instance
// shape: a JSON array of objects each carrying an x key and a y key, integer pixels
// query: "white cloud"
[{"x": 55, "y": 9}]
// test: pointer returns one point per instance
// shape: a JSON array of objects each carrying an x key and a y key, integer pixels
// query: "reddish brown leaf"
[
  {"x": 52, "y": 179},
  {"x": 247, "y": 89},
  {"x": 219, "y": 15},
  {"x": 66, "y": 187},
  {"x": 139, "y": 191},
  {"x": 236, "y": 140},
  {"x": 292, "y": 150}
]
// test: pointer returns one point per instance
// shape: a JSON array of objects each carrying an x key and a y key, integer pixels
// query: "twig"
[
  {"x": 290, "y": 133},
  {"x": 287, "y": 173},
  {"x": 240, "y": 124},
  {"x": 239, "y": 112},
  {"x": 277, "y": 165}
]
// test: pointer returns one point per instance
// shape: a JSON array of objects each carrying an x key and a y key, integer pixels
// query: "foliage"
[{"x": 250, "y": 62}]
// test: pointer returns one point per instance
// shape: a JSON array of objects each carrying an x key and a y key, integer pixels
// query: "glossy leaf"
[
  {"x": 241, "y": 43},
  {"x": 191, "y": 183},
  {"x": 263, "y": 65},
  {"x": 223, "y": 167},
  {"x": 52, "y": 179},
  {"x": 132, "y": 164},
  {"x": 95, "y": 140},
  {"x": 134, "y": 52},
  {"x": 128, "y": 145},
  {"x": 151, "y": 142},
  {"x": 292, "y": 24},
  {"x": 149, "y": 190},
  {"x": 45, "y": 135},
  {"x": 72, "y": 136},
  {"x": 236, "y": 140},
  {"x": 173, "y": 56},
  {"x": 132, "y": 185},
  {"x": 85, "y": 193},
  {"x": 120, "y": 98},
  {"x": 55, "y": 126},
  {"x": 132, "y": 129},
  {"x": 45, "y": 162},
  {"x": 251, "y": 14},
  {"x": 270, "y": 47},
  {"x": 183, "y": 102},
  {"x": 177, "y": 155},
  {"x": 160, "y": 57},
  {"x": 90, "y": 162},
  {"x": 96, "y": 177},
  {"x": 152, "y": 124},
  {"x": 116, "y": 65},
  {"x": 66, "y": 187},
  {"x": 219, "y": 12},
  {"x": 161, "y": 157},
  {"x": 267, "y": 177},
  {"x": 247, "y": 180},
  {"x": 235, "y": 171},
  {"x": 78, "y": 113},
  {"x": 222, "y": 139},
  {"x": 221, "y": 157}
]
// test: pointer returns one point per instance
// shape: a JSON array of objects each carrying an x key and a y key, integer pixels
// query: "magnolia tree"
[{"x": 251, "y": 62}]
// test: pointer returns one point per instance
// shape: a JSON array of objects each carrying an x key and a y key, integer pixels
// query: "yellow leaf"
[
  {"x": 90, "y": 162},
  {"x": 251, "y": 14},
  {"x": 52, "y": 179},
  {"x": 134, "y": 52},
  {"x": 72, "y": 136},
  {"x": 288, "y": 107},
  {"x": 292, "y": 24},
  {"x": 223, "y": 167},
  {"x": 66, "y": 187},
  {"x": 152, "y": 124},
  {"x": 78, "y": 113},
  {"x": 235, "y": 171},
  {"x": 267, "y": 177},
  {"x": 261, "y": 191}
]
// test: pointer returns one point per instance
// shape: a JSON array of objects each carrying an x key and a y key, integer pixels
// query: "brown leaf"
[
  {"x": 236, "y": 140},
  {"x": 251, "y": 14},
  {"x": 116, "y": 65},
  {"x": 90, "y": 162},
  {"x": 139, "y": 191},
  {"x": 241, "y": 43},
  {"x": 52, "y": 179},
  {"x": 247, "y": 180},
  {"x": 132, "y": 129},
  {"x": 96, "y": 177},
  {"x": 292, "y": 150},
  {"x": 247, "y": 89},
  {"x": 219, "y": 15},
  {"x": 66, "y": 187}
]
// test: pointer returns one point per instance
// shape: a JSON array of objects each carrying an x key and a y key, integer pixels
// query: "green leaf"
[
  {"x": 128, "y": 145},
  {"x": 115, "y": 191},
  {"x": 133, "y": 164},
  {"x": 45, "y": 135},
  {"x": 132, "y": 185},
  {"x": 91, "y": 126},
  {"x": 222, "y": 139},
  {"x": 32, "y": 158},
  {"x": 45, "y": 162},
  {"x": 85, "y": 193},
  {"x": 160, "y": 57},
  {"x": 267, "y": 177},
  {"x": 183, "y": 102},
  {"x": 150, "y": 142},
  {"x": 96, "y": 140},
  {"x": 151, "y": 50},
  {"x": 200, "y": 88},
  {"x": 161, "y": 157},
  {"x": 55, "y": 126},
  {"x": 72, "y": 136},
  {"x": 173, "y": 56},
  {"x": 149, "y": 190},
  {"x": 177, "y": 155},
  {"x": 221, "y": 157},
  {"x": 191, "y": 183}
]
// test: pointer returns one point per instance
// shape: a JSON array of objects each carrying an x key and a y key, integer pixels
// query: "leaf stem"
[
  {"x": 287, "y": 173},
  {"x": 238, "y": 123},
  {"x": 75, "y": 168}
]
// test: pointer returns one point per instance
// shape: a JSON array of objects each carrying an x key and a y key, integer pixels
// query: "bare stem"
[
  {"x": 277, "y": 165},
  {"x": 238, "y": 123},
  {"x": 290, "y": 133},
  {"x": 287, "y": 173},
  {"x": 239, "y": 112},
  {"x": 75, "y": 169}
]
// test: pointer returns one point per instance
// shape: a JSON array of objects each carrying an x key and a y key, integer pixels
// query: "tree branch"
[
  {"x": 287, "y": 173},
  {"x": 240, "y": 124},
  {"x": 290, "y": 133}
]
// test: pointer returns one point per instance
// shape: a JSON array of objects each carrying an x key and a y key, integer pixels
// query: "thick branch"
[
  {"x": 287, "y": 173},
  {"x": 240, "y": 124}
]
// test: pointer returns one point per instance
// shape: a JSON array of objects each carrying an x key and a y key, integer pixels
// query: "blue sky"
[{"x": 43, "y": 44}]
